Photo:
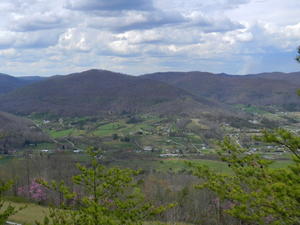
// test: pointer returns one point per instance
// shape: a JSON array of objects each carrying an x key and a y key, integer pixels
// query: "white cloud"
[
  {"x": 144, "y": 36},
  {"x": 38, "y": 21},
  {"x": 7, "y": 39},
  {"x": 74, "y": 39},
  {"x": 135, "y": 20},
  {"x": 137, "y": 37}
]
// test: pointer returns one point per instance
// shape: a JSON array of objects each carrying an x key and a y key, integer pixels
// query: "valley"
[
  {"x": 149, "y": 112},
  {"x": 163, "y": 125},
  {"x": 74, "y": 114},
  {"x": 151, "y": 142}
]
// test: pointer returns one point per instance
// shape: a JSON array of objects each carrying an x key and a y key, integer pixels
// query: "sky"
[{"x": 49, "y": 37}]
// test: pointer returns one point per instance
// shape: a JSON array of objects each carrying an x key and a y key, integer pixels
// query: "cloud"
[
  {"x": 137, "y": 21},
  {"x": 6, "y": 39},
  {"x": 74, "y": 39},
  {"x": 36, "y": 40},
  {"x": 266, "y": 37},
  {"x": 138, "y": 36},
  {"x": 111, "y": 5},
  {"x": 133, "y": 20},
  {"x": 6, "y": 6},
  {"x": 225, "y": 4},
  {"x": 204, "y": 6},
  {"x": 211, "y": 24},
  {"x": 32, "y": 40},
  {"x": 38, "y": 21}
]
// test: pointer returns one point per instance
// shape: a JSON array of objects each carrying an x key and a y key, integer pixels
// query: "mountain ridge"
[
  {"x": 104, "y": 92},
  {"x": 261, "y": 89},
  {"x": 10, "y": 83},
  {"x": 97, "y": 91}
]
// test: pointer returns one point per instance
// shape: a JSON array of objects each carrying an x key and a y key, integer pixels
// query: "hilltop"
[
  {"x": 102, "y": 92},
  {"x": 98, "y": 91},
  {"x": 267, "y": 89}
]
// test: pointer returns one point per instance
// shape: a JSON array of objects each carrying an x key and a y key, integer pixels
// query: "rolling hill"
[
  {"x": 99, "y": 91},
  {"x": 16, "y": 132},
  {"x": 261, "y": 89},
  {"x": 95, "y": 92}
]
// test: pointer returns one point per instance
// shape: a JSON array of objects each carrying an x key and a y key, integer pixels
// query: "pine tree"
[
  {"x": 254, "y": 193},
  {"x": 6, "y": 209},
  {"x": 111, "y": 197}
]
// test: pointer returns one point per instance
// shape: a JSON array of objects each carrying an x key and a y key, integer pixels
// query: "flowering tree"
[{"x": 37, "y": 192}]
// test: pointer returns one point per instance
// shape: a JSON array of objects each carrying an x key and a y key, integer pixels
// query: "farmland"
[{"x": 192, "y": 137}]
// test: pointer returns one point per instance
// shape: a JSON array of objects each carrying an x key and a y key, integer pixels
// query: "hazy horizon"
[{"x": 171, "y": 71}]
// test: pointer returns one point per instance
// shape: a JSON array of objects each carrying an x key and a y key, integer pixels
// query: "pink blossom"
[{"x": 36, "y": 191}]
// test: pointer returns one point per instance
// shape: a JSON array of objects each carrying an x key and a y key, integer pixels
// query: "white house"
[{"x": 148, "y": 148}]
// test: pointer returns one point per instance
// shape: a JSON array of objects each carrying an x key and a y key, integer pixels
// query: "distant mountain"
[
  {"x": 9, "y": 83},
  {"x": 32, "y": 78},
  {"x": 99, "y": 91},
  {"x": 17, "y": 132},
  {"x": 261, "y": 89},
  {"x": 290, "y": 77},
  {"x": 96, "y": 92}
]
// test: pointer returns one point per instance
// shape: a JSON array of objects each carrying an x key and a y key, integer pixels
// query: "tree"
[
  {"x": 6, "y": 210},
  {"x": 111, "y": 196},
  {"x": 255, "y": 193}
]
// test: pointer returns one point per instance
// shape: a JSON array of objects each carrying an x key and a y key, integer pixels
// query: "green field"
[
  {"x": 250, "y": 109},
  {"x": 65, "y": 133},
  {"x": 281, "y": 164},
  {"x": 107, "y": 129},
  {"x": 119, "y": 127},
  {"x": 5, "y": 159},
  {"x": 179, "y": 165}
]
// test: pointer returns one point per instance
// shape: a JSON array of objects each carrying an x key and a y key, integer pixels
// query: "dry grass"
[{"x": 30, "y": 214}]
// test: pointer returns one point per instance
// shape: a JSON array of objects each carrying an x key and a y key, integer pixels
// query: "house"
[
  {"x": 61, "y": 121},
  {"x": 253, "y": 121},
  {"x": 46, "y": 121},
  {"x": 44, "y": 150},
  {"x": 12, "y": 152},
  {"x": 77, "y": 150},
  {"x": 148, "y": 148}
]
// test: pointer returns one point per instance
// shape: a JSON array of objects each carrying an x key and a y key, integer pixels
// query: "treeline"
[{"x": 188, "y": 204}]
